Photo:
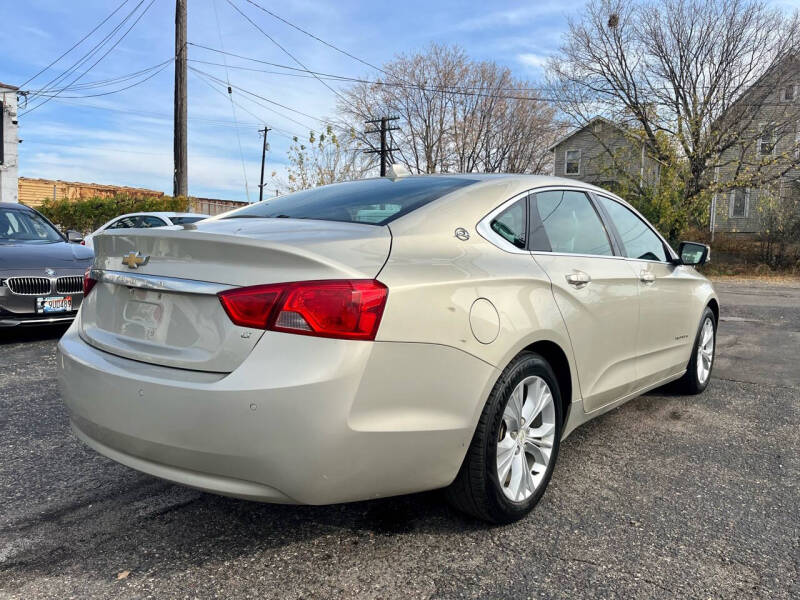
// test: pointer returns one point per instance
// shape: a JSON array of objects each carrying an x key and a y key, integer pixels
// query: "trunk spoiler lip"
[{"x": 159, "y": 282}]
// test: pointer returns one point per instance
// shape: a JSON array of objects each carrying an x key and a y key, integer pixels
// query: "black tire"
[
  {"x": 476, "y": 489},
  {"x": 690, "y": 383}
]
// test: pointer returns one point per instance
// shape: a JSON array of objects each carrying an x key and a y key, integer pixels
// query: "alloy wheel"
[
  {"x": 705, "y": 350},
  {"x": 526, "y": 437}
]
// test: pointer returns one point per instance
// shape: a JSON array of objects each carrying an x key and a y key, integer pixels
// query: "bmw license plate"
[{"x": 54, "y": 304}]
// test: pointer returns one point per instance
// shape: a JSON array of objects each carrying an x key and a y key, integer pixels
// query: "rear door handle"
[
  {"x": 646, "y": 277},
  {"x": 578, "y": 278}
]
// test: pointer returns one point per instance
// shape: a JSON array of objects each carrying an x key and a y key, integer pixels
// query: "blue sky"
[{"x": 126, "y": 138}]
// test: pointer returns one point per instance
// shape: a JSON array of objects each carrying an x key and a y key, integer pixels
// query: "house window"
[
  {"x": 572, "y": 164},
  {"x": 766, "y": 141},
  {"x": 740, "y": 203},
  {"x": 787, "y": 93}
]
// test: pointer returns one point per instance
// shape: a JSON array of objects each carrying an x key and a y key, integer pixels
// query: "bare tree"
[
  {"x": 694, "y": 76},
  {"x": 456, "y": 115},
  {"x": 323, "y": 158}
]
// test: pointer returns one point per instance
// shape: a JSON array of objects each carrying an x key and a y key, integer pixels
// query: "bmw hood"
[{"x": 57, "y": 256}]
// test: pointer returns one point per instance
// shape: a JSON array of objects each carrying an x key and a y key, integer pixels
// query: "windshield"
[
  {"x": 185, "y": 220},
  {"x": 373, "y": 201},
  {"x": 24, "y": 227}
]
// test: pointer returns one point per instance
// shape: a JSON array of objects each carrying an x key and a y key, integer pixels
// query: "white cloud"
[
  {"x": 535, "y": 61},
  {"x": 510, "y": 18}
]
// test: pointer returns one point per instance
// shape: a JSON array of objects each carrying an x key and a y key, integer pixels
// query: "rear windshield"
[
  {"x": 373, "y": 201},
  {"x": 185, "y": 220}
]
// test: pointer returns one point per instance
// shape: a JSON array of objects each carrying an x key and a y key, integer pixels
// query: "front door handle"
[
  {"x": 578, "y": 278},
  {"x": 646, "y": 277}
]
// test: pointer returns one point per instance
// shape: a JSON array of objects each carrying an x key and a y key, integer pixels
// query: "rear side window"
[
  {"x": 185, "y": 220},
  {"x": 638, "y": 239},
  {"x": 566, "y": 222},
  {"x": 148, "y": 221},
  {"x": 512, "y": 223},
  {"x": 373, "y": 201}
]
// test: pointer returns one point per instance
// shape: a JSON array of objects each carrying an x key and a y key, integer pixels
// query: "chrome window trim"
[
  {"x": 486, "y": 232},
  {"x": 484, "y": 227},
  {"x": 613, "y": 198},
  {"x": 160, "y": 283}
]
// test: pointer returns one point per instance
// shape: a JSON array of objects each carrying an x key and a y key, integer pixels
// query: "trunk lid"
[{"x": 166, "y": 312}]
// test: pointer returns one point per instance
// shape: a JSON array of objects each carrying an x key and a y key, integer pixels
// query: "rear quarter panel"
[{"x": 434, "y": 280}]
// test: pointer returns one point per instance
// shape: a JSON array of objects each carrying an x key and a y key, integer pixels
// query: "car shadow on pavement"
[{"x": 19, "y": 335}]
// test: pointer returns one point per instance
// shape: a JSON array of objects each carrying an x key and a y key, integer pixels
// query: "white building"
[{"x": 9, "y": 172}]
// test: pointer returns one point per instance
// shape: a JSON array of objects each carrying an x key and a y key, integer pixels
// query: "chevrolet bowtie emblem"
[{"x": 134, "y": 260}]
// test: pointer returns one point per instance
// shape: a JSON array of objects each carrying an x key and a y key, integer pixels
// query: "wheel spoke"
[
  {"x": 505, "y": 456},
  {"x": 513, "y": 410},
  {"x": 545, "y": 430},
  {"x": 517, "y": 481}
]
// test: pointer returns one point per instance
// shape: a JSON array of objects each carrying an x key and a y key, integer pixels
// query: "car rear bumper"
[{"x": 301, "y": 420}]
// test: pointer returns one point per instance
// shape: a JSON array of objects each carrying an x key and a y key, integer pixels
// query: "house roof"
[
  {"x": 7, "y": 86},
  {"x": 583, "y": 127}
]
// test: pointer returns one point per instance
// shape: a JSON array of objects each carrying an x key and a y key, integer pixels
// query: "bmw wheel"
[{"x": 514, "y": 448}]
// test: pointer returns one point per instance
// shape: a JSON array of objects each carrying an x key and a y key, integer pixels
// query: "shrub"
[{"x": 88, "y": 214}]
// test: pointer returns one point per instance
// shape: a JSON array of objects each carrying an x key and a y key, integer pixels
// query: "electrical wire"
[
  {"x": 248, "y": 92},
  {"x": 122, "y": 89},
  {"x": 290, "y": 55},
  {"x": 311, "y": 35},
  {"x": 233, "y": 105},
  {"x": 122, "y": 37},
  {"x": 52, "y": 84},
  {"x": 76, "y": 44},
  {"x": 259, "y": 121}
]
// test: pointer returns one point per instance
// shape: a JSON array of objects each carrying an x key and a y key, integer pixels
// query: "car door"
[
  {"x": 667, "y": 323},
  {"x": 595, "y": 290}
]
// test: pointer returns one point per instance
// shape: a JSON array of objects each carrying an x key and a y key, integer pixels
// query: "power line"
[
  {"x": 361, "y": 80},
  {"x": 122, "y": 89},
  {"x": 201, "y": 76},
  {"x": 289, "y": 54},
  {"x": 122, "y": 37},
  {"x": 76, "y": 44},
  {"x": 105, "y": 82},
  {"x": 51, "y": 85},
  {"x": 241, "y": 89},
  {"x": 233, "y": 105},
  {"x": 311, "y": 35}
]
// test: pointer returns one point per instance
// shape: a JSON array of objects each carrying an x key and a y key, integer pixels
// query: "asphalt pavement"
[{"x": 665, "y": 497}]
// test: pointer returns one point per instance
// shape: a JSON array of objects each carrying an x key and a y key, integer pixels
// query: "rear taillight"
[
  {"x": 88, "y": 282},
  {"x": 348, "y": 309}
]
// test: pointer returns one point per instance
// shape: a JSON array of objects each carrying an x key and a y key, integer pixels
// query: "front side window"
[
  {"x": 371, "y": 201},
  {"x": 572, "y": 162},
  {"x": 124, "y": 223},
  {"x": 787, "y": 93},
  {"x": 18, "y": 226},
  {"x": 740, "y": 202},
  {"x": 512, "y": 223},
  {"x": 639, "y": 240},
  {"x": 566, "y": 222}
]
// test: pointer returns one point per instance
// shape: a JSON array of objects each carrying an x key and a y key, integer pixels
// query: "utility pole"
[
  {"x": 384, "y": 149},
  {"x": 263, "y": 158},
  {"x": 180, "y": 183}
]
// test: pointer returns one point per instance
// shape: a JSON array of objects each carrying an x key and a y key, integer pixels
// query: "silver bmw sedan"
[{"x": 381, "y": 337}]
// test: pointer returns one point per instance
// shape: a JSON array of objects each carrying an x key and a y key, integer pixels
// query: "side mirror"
[
  {"x": 694, "y": 254},
  {"x": 74, "y": 237}
]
